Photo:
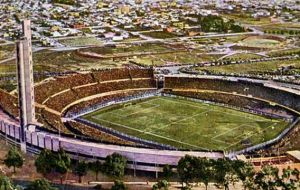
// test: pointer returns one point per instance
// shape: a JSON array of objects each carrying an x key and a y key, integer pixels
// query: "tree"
[
  {"x": 115, "y": 165},
  {"x": 267, "y": 178},
  {"x": 40, "y": 184},
  {"x": 245, "y": 173},
  {"x": 48, "y": 162},
  {"x": 289, "y": 179},
  {"x": 224, "y": 174},
  {"x": 14, "y": 159},
  {"x": 119, "y": 185},
  {"x": 167, "y": 172},
  {"x": 96, "y": 167},
  {"x": 237, "y": 28},
  {"x": 204, "y": 171},
  {"x": 185, "y": 169},
  {"x": 62, "y": 163},
  {"x": 45, "y": 162},
  {"x": 81, "y": 170},
  {"x": 291, "y": 32},
  {"x": 5, "y": 183}
]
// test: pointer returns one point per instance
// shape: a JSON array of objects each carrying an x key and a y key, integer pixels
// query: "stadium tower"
[{"x": 25, "y": 82}]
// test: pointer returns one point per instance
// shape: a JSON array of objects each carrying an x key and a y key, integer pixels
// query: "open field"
[
  {"x": 212, "y": 40},
  {"x": 283, "y": 52},
  {"x": 160, "y": 34},
  {"x": 246, "y": 18},
  {"x": 188, "y": 57},
  {"x": 281, "y": 28},
  {"x": 145, "y": 47},
  {"x": 243, "y": 56},
  {"x": 6, "y": 51},
  {"x": 155, "y": 54},
  {"x": 56, "y": 61},
  {"x": 260, "y": 42},
  {"x": 81, "y": 41},
  {"x": 255, "y": 68},
  {"x": 186, "y": 124}
]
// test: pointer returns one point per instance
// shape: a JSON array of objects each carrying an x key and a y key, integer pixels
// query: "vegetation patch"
[
  {"x": 160, "y": 34},
  {"x": 7, "y": 51},
  {"x": 260, "y": 42},
  {"x": 81, "y": 41},
  {"x": 266, "y": 67}
]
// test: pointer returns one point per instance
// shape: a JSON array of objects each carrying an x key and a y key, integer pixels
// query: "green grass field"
[
  {"x": 260, "y": 42},
  {"x": 81, "y": 41},
  {"x": 187, "y": 124}
]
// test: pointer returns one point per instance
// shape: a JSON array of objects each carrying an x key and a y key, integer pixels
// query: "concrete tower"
[{"x": 25, "y": 82}]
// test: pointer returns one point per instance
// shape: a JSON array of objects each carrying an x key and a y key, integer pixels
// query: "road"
[{"x": 35, "y": 49}]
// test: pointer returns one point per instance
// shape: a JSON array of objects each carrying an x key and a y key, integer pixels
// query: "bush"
[
  {"x": 119, "y": 185},
  {"x": 162, "y": 184},
  {"x": 40, "y": 184},
  {"x": 14, "y": 159},
  {"x": 114, "y": 165}
]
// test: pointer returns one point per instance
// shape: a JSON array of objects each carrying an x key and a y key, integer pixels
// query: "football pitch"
[{"x": 187, "y": 124}]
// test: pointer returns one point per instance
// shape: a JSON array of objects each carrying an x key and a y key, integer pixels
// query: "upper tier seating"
[
  {"x": 56, "y": 85},
  {"x": 258, "y": 90}
]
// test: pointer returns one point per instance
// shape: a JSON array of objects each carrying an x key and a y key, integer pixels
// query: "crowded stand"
[
  {"x": 62, "y": 100},
  {"x": 52, "y": 86},
  {"x": 52, "y": 121},
  {"x": 243, "y": 87},
  {"x": 9, "y": 104},
  {"x": 118, "y": 74},
  {"x": 290, "y": 140},
  {"x": 102, "y": 86},
  {"x": 238, "y": 101},
  {"x": 107, "y": 98},
  {"x": 96, "y": 134}
]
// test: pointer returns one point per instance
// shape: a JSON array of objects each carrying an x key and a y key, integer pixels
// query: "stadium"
[{"x": 154, "y": 119}]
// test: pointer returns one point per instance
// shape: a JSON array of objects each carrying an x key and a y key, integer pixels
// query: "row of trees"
[
  {"x": 48, "y": 162},
  {"x": 221, "y": 172},
  {"x": 60, "y": 163},
  {"x": 282, "y": 32},
  {"x": 42, "y": 184},
  {"x": 225, "y": 172}
]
